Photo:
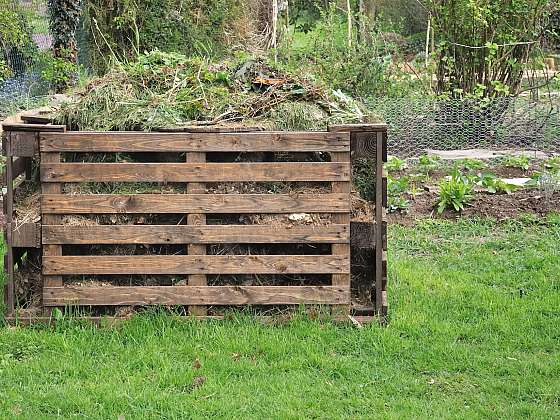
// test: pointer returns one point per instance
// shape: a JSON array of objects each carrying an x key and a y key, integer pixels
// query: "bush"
[{"x": 185, "y": 26}]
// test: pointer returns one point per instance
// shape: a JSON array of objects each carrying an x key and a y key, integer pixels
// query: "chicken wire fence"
[
  {"x": 418, "y": 125},
  {"x": 25, "y": 43}
]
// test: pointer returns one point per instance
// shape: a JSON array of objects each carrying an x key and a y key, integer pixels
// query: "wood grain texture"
[
  {"x": 51, "y": 250},
  {"x": 193, "y": 172},
  {"x": 32, "y": 127},
  {"x": 194, "y": 203},
  {"x": 357, "y": 128},
  {"x": 196, "y": 219},
  {"x": 195, "y": 295},
  {"x": 192, "y": 234},
  {"x": 195, "y": 142},
  {"x": 379, "y": 213},
  {"x": 196, "y": 264},
  {"x": 341, "y": 250}
]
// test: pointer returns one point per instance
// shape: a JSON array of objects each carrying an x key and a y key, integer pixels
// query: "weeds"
[
  {"x": 455, "y": 192},
  {"x": 495, "y": 185},
  {"x": 394, "y": 164},
  {"x": 469, "y": 164},
  {"x": 552, "y": 164},
  {"x": 396, "y": 189},
  {"x": 427, "y": 163},
  {"x": 520, "y": 162}
]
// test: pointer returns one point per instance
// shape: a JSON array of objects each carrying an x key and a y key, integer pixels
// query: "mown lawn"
[{"x": 474, "y": 333}]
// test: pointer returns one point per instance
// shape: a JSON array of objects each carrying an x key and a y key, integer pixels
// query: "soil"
[{"x": 495, "y": 206}]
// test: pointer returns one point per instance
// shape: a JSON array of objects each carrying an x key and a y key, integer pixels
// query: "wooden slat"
[
  {"x": 342, "y": 250},
  {"x": 195, "y": 295},
  {"x": 32, "y": 127},
  {"x": 192, "y": 234},
  {"x": 196, "y": 219},
  {"x": 51, "y": 250},
  {"x": 193, "y": 172},
  {"x": 195, "y": 142},
  {"x": 379, "y": 210},
  {"x": 196, "y": 264},
  {"x": 27, "y": 235},
  {"x": 194, "y": 203}
]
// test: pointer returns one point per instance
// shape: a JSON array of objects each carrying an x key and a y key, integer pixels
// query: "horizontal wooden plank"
[
  {"x": 195, "y": 142},
  {"x": 186, "y": 234},
  {"x": 32, "y": 127},
  {"x": 196, "y": 264},
  {"x": 194, "y": 172},
  {"x": 357, "y": 128},
  {"x": 195, "y": 295},
  {"x": 194, "y": 203},
  {"x": 36, "y": 119}
]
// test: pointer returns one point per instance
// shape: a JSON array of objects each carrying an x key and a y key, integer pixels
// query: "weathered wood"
[
  {"x": 53, "y": 219},
  {"x": 32, "y": 127},
  {"x": 196, "y": 264},
  {"x": 363, "y": 145},
  {"x": 379, "y": 216},
  {"x": 193, "y": 234},
  {"x": 342, "y": 250},
  {"x": 196, "y": 219},
  {"x": 27, "y": 235},
  {"x": 193, "y": 172},
  {"x": 357, "y": 128},
  {"x": 195, "y": 142},
  {"x": 19, "y": 167},
  {"x": 196, "y": 295},
  {"x": 36, "y": 119},
  {"x": 20, "y": 143},
  {"x": 9, "y": 296},
  {"x": 194, "y": 203}
]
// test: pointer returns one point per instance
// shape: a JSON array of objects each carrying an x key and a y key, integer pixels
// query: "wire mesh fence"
[
  {"x": 417, "y": 125},
  {"x": 26, "y": 41}
]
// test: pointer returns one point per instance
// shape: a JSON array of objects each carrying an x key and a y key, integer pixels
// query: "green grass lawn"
[{"x": 474, "y": 333}]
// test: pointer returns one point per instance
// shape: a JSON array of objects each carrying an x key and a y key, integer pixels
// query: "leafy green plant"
[
  {"x": 471, "y": 164},
  {"x": 427, "y": 163},
  {"x": 521, "y": 162},
  {"x": 494, "y": 184},
  {"x": 394, "y": 164},
  {"x": 396, "y": 188},
  {"x": 455, "y": 192},
  {"x": 552, "y": 164}
]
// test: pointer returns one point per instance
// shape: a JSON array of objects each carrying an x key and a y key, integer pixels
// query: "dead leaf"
[
  {"x": 196, "y": 364},
  {"x": 198, "y": 381}
]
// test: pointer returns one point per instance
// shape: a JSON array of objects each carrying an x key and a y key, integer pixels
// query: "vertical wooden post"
[
  {"x": 380, "y": 239},
  {"x": 196, "y": 219},
  {"x": 9, "y": 260},
  {"x": 341, "y": 218},
  {"x": 51, "y": 219}
]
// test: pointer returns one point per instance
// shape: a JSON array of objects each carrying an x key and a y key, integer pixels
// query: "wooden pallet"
[
  {"x": 50, "y": 143},
  {"x": 196, "y": 205}
]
